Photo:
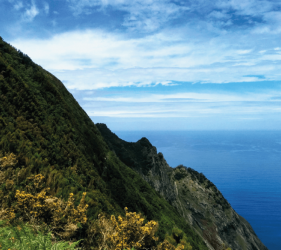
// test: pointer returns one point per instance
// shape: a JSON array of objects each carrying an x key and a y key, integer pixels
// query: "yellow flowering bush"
[
  {"x": 132, "y": 232},
  {"x": 129, "y": 232},
  {"x": 168, "y": 246},
  {"x": 34, "y": 205},
  {"x": 125, "y": 232},
  {"x": 61, "y": 217}
]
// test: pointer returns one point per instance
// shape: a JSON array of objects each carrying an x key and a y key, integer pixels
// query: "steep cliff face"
[{"x": 191, "y": 193}]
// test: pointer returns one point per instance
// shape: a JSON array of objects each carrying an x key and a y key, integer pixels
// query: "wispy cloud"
[
  {"x": 18, "y": 5},
  {"x": 130, "y": 103},
  {"x": 96, "y": 79},
  {"x": 30, "y": 13},
  {"x": 190, "y": 97},
  {"x": 181, "y": 109},
  {"x": 271, "y": 23},
  {"x": 95, "y": 59},
  {"x": 145, "y": 15}
]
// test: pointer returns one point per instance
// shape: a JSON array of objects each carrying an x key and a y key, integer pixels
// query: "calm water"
[{"x": 244, "y": 165}]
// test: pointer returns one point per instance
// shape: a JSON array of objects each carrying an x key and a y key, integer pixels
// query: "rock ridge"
[{"x": 196, "y": 198}]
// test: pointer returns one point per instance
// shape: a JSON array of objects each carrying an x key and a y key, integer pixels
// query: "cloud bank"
[
  {"x": 93, "y": 59},
  {"x": 146, "y": 59}
]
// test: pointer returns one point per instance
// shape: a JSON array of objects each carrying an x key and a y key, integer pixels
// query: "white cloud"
[
  {"x": 97, "y": 49},
  {"x": 97, "y": 78},
  {"x": 243, "y": 52},
  {"x": 271, "y": 23},
  {"x": 185, "y": 97},
  {"x": 18, "y": 5},
  {"x": 146, "y": 15},
  {"x": 30, "y": 13},
  {"x": 216, "y": 17},
  {"x": 219, "y": 15},
  {"x": 95, "y": 59},
  {"x": 200, "y": 105},
  {"x": 248, "y": 7},
  {"x": 272, "y": 57}
]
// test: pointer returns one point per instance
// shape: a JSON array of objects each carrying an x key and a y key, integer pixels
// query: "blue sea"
[{"x": 244, "y": 165}]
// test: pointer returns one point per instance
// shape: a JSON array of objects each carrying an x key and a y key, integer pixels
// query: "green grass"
[{"x": 23, "y": 237}]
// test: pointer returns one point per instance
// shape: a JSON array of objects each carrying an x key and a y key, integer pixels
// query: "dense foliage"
[{"x": 50, "y": 134}]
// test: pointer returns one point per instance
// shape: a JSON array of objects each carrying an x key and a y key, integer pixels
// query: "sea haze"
[{"x": 244, "y": 165}]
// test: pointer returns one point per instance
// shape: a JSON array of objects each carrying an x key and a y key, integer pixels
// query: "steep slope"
[
  {"x": 191, "y": 193},
  {"x": 43, "y": 125}
]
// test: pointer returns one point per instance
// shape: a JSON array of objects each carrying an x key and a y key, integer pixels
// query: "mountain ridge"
[
  {"x": 50, "y": 134},
  {"x": 196, "y": 198}
]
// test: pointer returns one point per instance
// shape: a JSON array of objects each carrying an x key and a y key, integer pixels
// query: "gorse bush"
[
  {"x": 129, "y": 232},
  {"x": 61, "y": 217},
  {"x": 35, "y": 206},
  {"x": 124, "y": 232},
  {"x": 132, "y": 232}
]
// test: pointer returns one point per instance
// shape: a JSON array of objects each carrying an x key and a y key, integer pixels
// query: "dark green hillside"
[
  {"x": 43, "y": 125},
  {"x": 128, "y": 152}
]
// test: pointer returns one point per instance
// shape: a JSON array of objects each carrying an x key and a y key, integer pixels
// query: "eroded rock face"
[{"x": 196, "y": 198}]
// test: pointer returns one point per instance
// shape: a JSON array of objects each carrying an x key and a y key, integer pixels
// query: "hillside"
[
  {"x": 195, "y": 198},
  {"x": 50, "y": 134}
]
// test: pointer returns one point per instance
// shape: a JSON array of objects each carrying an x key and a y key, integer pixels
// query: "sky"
[{"x": 158, "y": 64}]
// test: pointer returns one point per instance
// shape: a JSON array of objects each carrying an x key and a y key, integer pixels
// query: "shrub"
[
  {"x": 35, "y": 206},
  {"x": 179, "y": 239},
  {"x": 124, "y": 232},
  {"x": 60, "y": 216}
]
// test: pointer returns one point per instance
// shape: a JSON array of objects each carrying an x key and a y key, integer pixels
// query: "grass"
[{"x": 24, "y": 237}]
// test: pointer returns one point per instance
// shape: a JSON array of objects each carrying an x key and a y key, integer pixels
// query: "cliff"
[{"x": 195, "y": 198}]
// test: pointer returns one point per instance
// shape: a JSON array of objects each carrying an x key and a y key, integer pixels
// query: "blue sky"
[{"x": 158, "y": 64}]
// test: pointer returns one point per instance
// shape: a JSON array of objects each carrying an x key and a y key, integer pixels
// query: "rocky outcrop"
[{"x": 196, "y": 198}]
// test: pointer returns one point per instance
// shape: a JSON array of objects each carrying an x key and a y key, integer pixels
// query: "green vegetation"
[
  {"x": 178, "y": 237},
  {"x": 50, "y": 134},
  {"x": 24, "y": 237}
]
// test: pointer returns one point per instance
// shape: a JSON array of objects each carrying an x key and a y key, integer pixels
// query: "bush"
[{"x": 124, "y": 232}]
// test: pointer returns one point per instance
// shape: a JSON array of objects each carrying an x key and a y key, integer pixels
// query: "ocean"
[{"x": 244, "y": 165}]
